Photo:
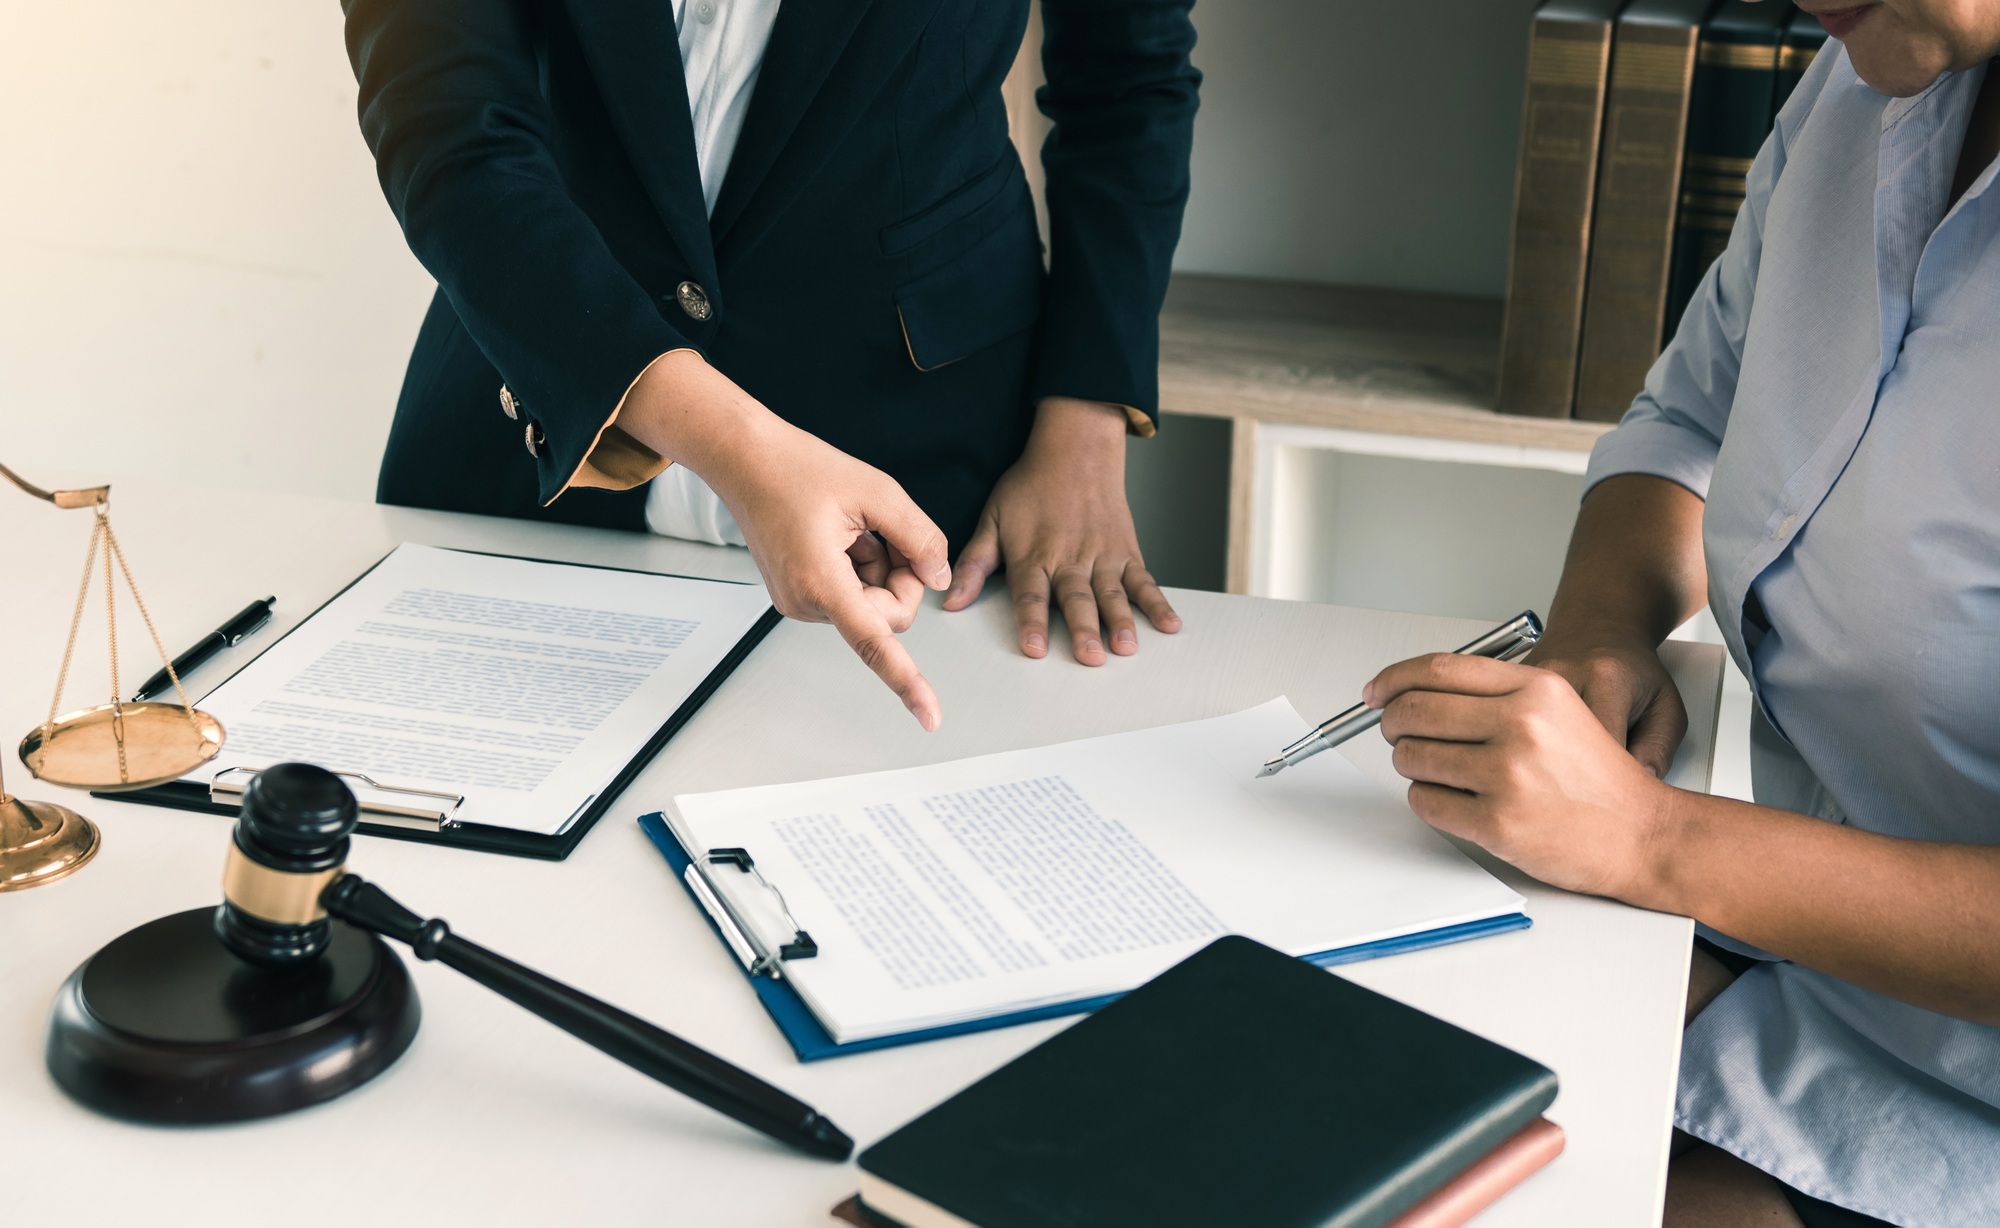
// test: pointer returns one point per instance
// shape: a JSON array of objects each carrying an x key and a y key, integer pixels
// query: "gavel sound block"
[
  {"x": 260, "y": 1006},
  {"x": 286, "y": 996}
]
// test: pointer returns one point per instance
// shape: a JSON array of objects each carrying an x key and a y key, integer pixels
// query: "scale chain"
[
  {"x": 75, "y": 622},
  {"x": 111, "y": 629},
  {"x": 173, "y": 675}
]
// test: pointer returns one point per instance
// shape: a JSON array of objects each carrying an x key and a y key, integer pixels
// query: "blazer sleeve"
[
  {"x": 1122, "y": 95},
  {"x": 451, "y": 106}
]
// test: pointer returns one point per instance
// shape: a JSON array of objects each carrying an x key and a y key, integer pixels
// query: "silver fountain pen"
[{"x": 1505, "y": 642}]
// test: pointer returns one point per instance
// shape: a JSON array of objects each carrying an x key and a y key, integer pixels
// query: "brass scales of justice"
[{"x": 122, "y": 745}]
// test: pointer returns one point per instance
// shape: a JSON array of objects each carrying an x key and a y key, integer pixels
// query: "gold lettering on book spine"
[
  {"x": 1662, "y": 68},
  {"x": 1565, "y": 61},
  {"x": 1740, "y": 55},
  {"x": 1713, "y": 164}
]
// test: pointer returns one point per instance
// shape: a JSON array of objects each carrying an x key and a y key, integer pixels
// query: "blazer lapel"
[
  {"x": 635, "y": 52},
  {"x": 809, "y": 38}
]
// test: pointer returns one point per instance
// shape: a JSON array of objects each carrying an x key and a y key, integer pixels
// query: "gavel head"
[{"x": 290, "y": 843}]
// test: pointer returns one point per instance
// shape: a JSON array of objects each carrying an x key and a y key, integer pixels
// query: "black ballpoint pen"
[{"x": 228, "y": 635}]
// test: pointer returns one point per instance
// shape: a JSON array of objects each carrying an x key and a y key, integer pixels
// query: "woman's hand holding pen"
[
  {"x": 809, "y": 513},
  {"x": 1511, "y": 758},
  {"x": 1059, "y": 524}
]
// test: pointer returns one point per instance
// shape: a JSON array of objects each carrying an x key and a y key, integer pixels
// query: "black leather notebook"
[{"x": 1241, "y": 1086}]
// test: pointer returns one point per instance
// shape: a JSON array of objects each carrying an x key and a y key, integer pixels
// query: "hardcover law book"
[
  {"x": 1569, "y": 55},
  {"x": 1638, "y": 188},
  {"x": 1804, "y": 38},
  {"x": 1241, "y": 1086},
  {"x": 1729, "y": 115}
]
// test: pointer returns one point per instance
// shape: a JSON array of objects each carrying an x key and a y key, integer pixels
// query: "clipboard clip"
[
  {"x": 417, "y": 816},
  {"x": 741, "y": 935}
]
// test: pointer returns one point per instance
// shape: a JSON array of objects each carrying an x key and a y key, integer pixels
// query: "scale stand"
[{"x": 111, "y": 747}]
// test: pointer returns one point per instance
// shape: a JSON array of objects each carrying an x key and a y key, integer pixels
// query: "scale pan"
[{"x": 80, "y": 750}]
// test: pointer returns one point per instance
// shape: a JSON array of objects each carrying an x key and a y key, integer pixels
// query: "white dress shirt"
[
  {"x": 1831, "y": 392},
  {"x": 722, "y": 48}
]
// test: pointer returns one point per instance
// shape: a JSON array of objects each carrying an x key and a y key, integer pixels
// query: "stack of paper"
[{"x": 964, "y": 891}]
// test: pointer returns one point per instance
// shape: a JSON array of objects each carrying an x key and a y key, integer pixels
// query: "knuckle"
[{"x": 874, "y": 653}]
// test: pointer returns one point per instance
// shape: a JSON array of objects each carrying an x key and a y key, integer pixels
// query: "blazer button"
[
  {"x": 508, "y": 405},
  {"x": 535, "y": 439},
  {"x": 693, "y": 300}
]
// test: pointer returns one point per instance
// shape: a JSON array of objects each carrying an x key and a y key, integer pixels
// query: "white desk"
[{"x": 494, "y": 1117}]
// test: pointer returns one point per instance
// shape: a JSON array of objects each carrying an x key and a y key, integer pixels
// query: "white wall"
[
  {"x": 1365, "y": 142},
  {"x": 198, "y": 274}
]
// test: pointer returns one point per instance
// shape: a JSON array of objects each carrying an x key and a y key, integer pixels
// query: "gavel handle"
[{"x": 687, "y": 1068}]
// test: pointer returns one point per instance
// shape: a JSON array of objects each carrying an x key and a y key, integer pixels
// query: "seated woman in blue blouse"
[{"x": 1817, "y": 455}]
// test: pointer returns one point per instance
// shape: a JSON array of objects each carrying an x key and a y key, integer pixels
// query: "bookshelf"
[
  {"x": 1307, "y": 374},
  {"x": 1381, "y": 372}
]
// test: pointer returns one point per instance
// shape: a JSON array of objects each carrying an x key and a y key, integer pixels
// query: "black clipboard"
[{"x": 186, "y": 795}]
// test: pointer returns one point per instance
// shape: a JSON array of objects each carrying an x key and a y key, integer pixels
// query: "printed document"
[
  {"x": 524, "y": 686},
  {"x": 987, "y": 886}
]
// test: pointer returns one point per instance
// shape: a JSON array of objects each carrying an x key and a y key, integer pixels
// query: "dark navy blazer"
[{"x": 872, "y": 271}]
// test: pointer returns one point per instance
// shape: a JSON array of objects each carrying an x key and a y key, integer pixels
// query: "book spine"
[
  {"x": 1632, "y": 239},
  {"x": 1455, "y": 1202},
  {"x": 1729, "y": 115},
  {"x": 1554, "y": 182}
]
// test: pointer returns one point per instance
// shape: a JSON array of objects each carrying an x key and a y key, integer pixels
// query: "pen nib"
[{"x": 1272, "y": 767}]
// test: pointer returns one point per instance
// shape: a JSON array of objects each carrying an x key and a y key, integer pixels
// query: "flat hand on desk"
[
  {"x": 1059, "y": 523},
  {"x": 1509, "y": 757}
]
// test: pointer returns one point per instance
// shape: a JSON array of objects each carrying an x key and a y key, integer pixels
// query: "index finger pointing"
[
  {"x": 867, "y": 632},
  {"x": 1444, "y": 671}
]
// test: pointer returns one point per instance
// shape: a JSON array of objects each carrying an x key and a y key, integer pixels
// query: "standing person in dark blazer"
[{"x": 791, "y": 247}]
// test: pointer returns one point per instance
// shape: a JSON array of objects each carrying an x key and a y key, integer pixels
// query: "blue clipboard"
[{"x": 811, "y": 1041}]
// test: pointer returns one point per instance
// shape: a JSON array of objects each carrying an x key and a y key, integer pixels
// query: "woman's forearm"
[
  {"x": 1916, "y": 920},
  {"x": 1635, "y": 564}
]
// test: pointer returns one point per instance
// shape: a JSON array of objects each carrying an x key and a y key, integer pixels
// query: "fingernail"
[
  {"x": 941, "y": 577},
  {"x": 1036, "y": 643},
  {"x": 1124, "y": 637},
  {"x": 1092, "y": 646},
  {"x": 1368, "y": 694}
]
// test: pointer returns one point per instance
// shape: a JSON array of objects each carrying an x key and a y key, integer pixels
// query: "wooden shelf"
[
  {"x": 1385, "y": 362},
  {"x": 1391, "y": 362}
]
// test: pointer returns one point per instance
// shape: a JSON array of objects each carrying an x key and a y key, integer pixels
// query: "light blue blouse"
[{"x": 1834, "y": 394}]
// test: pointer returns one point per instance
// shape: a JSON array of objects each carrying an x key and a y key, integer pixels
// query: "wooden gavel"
[{"x": 127, "y": 1035}]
